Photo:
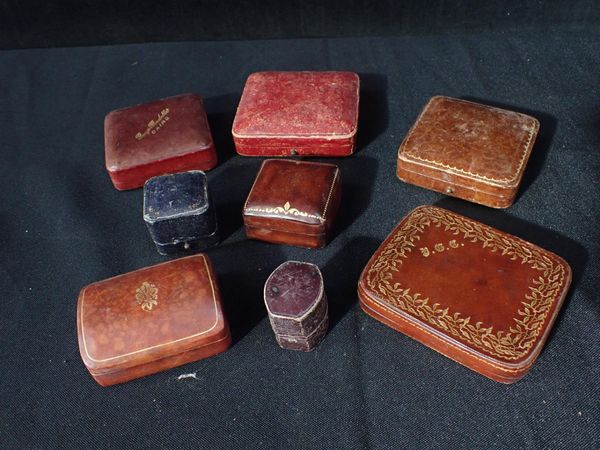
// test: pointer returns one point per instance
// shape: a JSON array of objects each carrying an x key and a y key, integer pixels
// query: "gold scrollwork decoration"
[
  {"x": 286, "y": 209},
  {"x": 509, "y": 344}
]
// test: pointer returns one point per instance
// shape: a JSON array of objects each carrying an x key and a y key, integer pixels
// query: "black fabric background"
[
  {"x": 61, "y": 23},
  {"x": 366, "y": 386}
]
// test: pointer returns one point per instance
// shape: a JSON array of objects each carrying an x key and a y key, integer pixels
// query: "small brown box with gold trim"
[
  {"x": 293, "y": 202},
  {"x": 479, "y": 296},
  {"x": 151, "y": 320}
]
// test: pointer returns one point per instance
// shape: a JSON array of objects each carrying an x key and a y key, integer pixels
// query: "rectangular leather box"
[
  {"x": 150, "y": 320},
  {"x": 179, "y": 213},
  {"x": 293, "y": 202},
  {"x": 295, "y": 298},
  {"x": 468, "y": 150},
  {"x": 162, "y": 136},
  {"x": 477, "y": 295},
  {"x": 297, "y": 113}
]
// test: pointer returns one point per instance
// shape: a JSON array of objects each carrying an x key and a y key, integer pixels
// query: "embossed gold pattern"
[
  {"x": 147, "y": 296},
  {"x": 286, "y": 209},
  {"x": 510, "y": 344}
]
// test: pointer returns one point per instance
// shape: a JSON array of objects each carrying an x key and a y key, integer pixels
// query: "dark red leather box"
[
  {"x": 479, "y": 296},
  {"x": 150, "y": 320},
  {"x": 163, "y": 136},
  {"x": 468, "y": 150},
  {"x": 293, "y": 202},
  {"x": 297, "y": 305},
  {"x": 297, "y": 113}
]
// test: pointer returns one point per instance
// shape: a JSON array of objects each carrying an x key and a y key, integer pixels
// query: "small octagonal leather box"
[
  {"x": 151, "y": 320},
  {"x": 297, "y": 305},
  {"x": 293, "y": 202},
  {"x": 479, "y": 296},
  {"x": 297, "y": 113},
  {"x": 179, "y": 213},
  {"x": 163, "y": 136},
  {"x": 468, "y": 150}
]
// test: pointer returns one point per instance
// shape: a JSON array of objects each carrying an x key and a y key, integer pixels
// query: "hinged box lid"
[
  {"x": 475, "y": 294},
  {"x": 149, "y": 314},
  {"x": 178, "y": 207},
  {"x": 468, "y": 150},
  {"x": 293, "y": 196},
  {"x": 161, "y": 136},
  {"x": 303, "y": 113}
]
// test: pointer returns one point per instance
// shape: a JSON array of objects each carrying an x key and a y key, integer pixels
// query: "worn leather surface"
[
  {"x": 139, "y": 319},
  {"x": 297, "y": 113},
  {"x": 468, "y": 150},
  {"x": 162, "y": 136},
  {"x": 366, "y": 386},
  {"x": 178, "y": 210},
  {"x": 297, "y": 200},
  {"x": 295, "y": 299},
  {"x": 305, "y": 343},
  {"x": 475, "y": 294}
]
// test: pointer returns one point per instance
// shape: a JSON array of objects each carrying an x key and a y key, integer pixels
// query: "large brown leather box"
[
  {"x": 468, "y": 150},
  {"x": 293, "y": 202},
  {"x": 479, "y": 296},
  {"x": 151, "y": 320}
]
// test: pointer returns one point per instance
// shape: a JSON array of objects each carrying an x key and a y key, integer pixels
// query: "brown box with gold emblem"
[
  {"x": 479, "y": 296},
  {"x": 293, "y": 202},
  {"x": 150, "y": 320},
  {"x": 467, "y": 150}
]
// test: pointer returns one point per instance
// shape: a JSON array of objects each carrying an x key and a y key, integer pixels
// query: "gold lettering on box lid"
[{"x": 155, "y": 124}]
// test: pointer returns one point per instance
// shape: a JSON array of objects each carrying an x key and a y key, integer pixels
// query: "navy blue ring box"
[{"x": 179, "y": 213}]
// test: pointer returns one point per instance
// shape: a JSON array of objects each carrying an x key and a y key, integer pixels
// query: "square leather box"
[
  {"x": 297, "y": 113},
  {"x": 151, "y": 320},
  {"x": 468, "y": 150},
  {"x": 179, "y": 212},
  {"x": 293, "y": 202},
  {"x": 163, "y": 136},
  {"x": 479, "y": 296}
]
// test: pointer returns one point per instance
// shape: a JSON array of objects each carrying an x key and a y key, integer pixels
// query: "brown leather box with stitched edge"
[
  {"x": 151, "y": 320},
  {"x": 479, "y": 296},
  {"x": 468, "y": 150},
  {"x": 293, "y": 202}
]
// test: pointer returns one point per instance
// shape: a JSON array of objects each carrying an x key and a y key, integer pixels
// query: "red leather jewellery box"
[
  {"x": 151, "y": 320},
  {"x": 297, "y": 113},
  {"x": 479, "y": 296},
  {"x": 293, "y": 202},
  {"x": 163, "y": 136}
]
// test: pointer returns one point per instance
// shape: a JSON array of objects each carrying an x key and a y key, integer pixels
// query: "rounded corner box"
[
  {"x": 151, "y": 320},
  {"x": 468, "y": 313}
]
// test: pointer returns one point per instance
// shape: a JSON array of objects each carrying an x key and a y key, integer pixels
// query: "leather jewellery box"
[
  {"x": 163, "y": 136},
  {"x": 479, "y": 296},
  {"x": 297, "y": 305},
  {"x": 150, "y": 320},
  {"x": 297, "y": 113},
  {"x": 179, "y": 213},
  {"x": 467, "y": 150},
  {"x": 293, "y": 202}
]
